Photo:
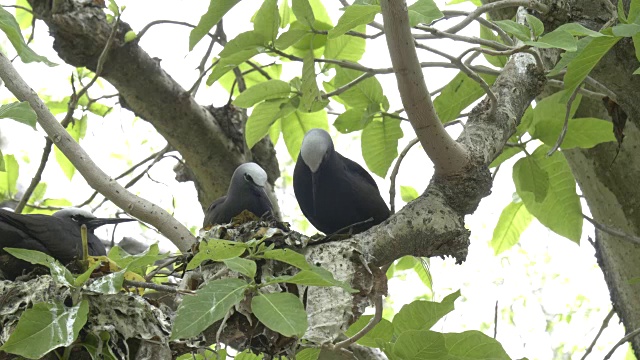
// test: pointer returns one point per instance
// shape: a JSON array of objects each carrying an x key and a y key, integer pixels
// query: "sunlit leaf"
[
  {"x": 352, "y": 17},
  {"x": 380, "y": 144},
  {"x": 422, "y": 315},
  {"x": 217, "y": 9},
  {"x": 10, "y": 27},
  {"x": 20, "y": 112},
  {"x": 383, "y": 331},
  {"x": 281, "y": 312},
  {"x": 513, "y": 221}
]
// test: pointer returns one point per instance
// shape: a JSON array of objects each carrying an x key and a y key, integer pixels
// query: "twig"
[
  {"x": 18, "y": 7},
  {"x": 628, "y": 337},
  {"x": 219, "y": 332},
  {"x": 156, "y": 22},
  {"x": 36, "y": 178},
  {"x": 201, "y": 68},
  {"x": 448, "y": 14},
  {"x": 612, "y": 231},
  {"x": 565, "y": 126},
  {"x": 372, "y": 323},
  {"x": 581, "y": 90},
  {"x": 347, "y": 86},
  {"x": 394, "y": 174},
  {"x": 604, "y": 325},
  {"x": 352, "y": 33},
  {"x": 495, "y": 321},
  {"x": 159, "y": 268},
  {"x": 600, "y": 88},
  {"x": 157, "y": 287},
  {"x": 471, "y": 40}
]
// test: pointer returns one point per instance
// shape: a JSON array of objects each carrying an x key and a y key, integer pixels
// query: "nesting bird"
[
  {"x": 333, "y": 191},
  {"x": 246, "y": 192},
  {"x": 57, "y": 235}
]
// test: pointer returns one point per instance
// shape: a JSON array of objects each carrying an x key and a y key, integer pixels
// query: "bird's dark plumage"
[
  {"x": 58, "y": 236},
  {"x": 334, "y": 192},
  {"x": 246, "y": 192}
]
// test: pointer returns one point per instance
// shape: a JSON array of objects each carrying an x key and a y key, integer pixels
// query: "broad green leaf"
[
  {"x": 520, "y": 31},
  {"x": 210, "y": 304},
  {"x": 9, "y": 177},
  {"x": 636, "y": 44},
  {"x": 626, "y": 30},
  {"x": 536, "y": 25},
  {"x": 420, "y": 345},
  {"x": 497, "y": 61},
  {"x": 353, "y": 16},
  {"x": 368, "y": 91},
  {"x": 634, "y": 11},
  {"x": 281, "y": 312},
  {"x": 383, "y": 331},
  {"x": 20, "y": 112},
  {"x": 585, "y": 61},
  {"x": 217, "y": 9},
  {"x": 561, "y": 211},
  {"x": 408, "y": 193},
  {"x": 287, "y": 256},
  {"x": 274, "y": 132},
  {"x": 568, "y": 56},
  {"x": 530, "y": 178},
  {"x": 285, "y": 13},
  {"x": 583, "y": 132},
  {"x": 474, "y": 2},
  {"x": 472, "y": 345},
  {"x": 45, "y": 327},
  {"x": 77, "y": 130},
  {"x": 263, "y": 117},
  {"x": 251, "y": 76},
  {"x": 10, "y": 27},
  {"x": 506, "y": 154},
  {"x": 315, "y": 276},
  {"x": 552, "y": 108},
  {"x": 38, "y": 192},
  {"x": 298, "y": 123},
  {"x": 216, "y": 250},
  {"x": 59, "y": 273},
  {"x": 421, "y": 267},
  {"x": 379, "y": 143},
  {"x": 308, "y": 354},
  {"x": 247, "y": 354},
  {"x": 579, "y": 30},
  {"x": 622, "y": 17},
  {"x": 311, "y": 41},
  {"x": 346, "y": 47},
  {"x": 303, "y": 11},
  {"x": 353, "y": 119},
  {"x": 267, "y": 20},
  {"x": 270, "y": 89},
  {"x": 423, "y": 12},
  {"x": 57, "y": 203},
  {"x": 243, "y": 266},
  {"x": 82, "y": 278},
  {"x": 129, "y": 36},
  {"x": 309, "y": 86},
  {"x": 107, "y": 285},
  {"x": 458, "y": 94},
  {"x": 290, "y": 38},
  {"x": 556, "y": 39},
  {"x": 3, "y": 169},
  {"x": 245, "y": 41},
  {"x": 24, "y": 17},
  {"x": 513, "y": 221},
  {"x": 137, "y": 263},
  {"x": 422, "y": 315},
  {"x": 227, "y": 64}
]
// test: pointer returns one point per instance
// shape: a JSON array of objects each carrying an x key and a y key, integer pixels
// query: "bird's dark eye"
[{"x": 248, "y": 177}]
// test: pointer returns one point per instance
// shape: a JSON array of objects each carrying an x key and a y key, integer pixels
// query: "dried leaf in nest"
[{"x": 619, "y": 119}]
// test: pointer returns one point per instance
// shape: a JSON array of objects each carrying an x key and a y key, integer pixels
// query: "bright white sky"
[{"x": 550, "y": 292}]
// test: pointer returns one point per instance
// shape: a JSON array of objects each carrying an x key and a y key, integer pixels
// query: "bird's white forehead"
[
  {"x": 315, "y": 144},
  {"x": 254, "y": 170},
  {"x": 69, "y": 212}
]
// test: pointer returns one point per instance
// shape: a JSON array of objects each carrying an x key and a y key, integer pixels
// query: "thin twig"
[
  {"x": 156, "y": 22},
  {"x": 36, "y": 178},
  {"x": 347, "y": 86},
  {"x": 219, "y": 332},
  {"x": 394, "y": 174},
  {"x": 471, "y": 40},
  {"x": 565, "y": 126},
  {"x": 612, "y": 231},
  {"x": 201, "y": 68},
  {"x": 448, "y": 14},
  {"x": 495, "y": 321},
  {"x": 581, "y": 90},
  {"x": 622, "y": 341},
  {"x": 157, "y": 287},
  {"x": 163, "y": 265},
  {"x": 604, "y": 325},
  {"x": 372, "y": 323}
]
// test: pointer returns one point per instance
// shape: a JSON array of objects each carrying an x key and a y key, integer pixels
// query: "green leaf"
[
  {"x": 281, "y": 312},
  {"x": 227, "y": 64},
  {"x": 38, "y": 192},
  {"x": 290, "y": 38},
  {"x": 274, "y": 132},
  {"x": 267, "y": 20},
  {"x": 298, "y": 123},
  {"x": 250, "y": 40},
  {"x": 513, "y": 221},
  {"x": 346, "y": 47},
  {"x": 458, "y": 94},
  {"x": 520, "y": 31},
  {"x": 530, "y": 178},
  {"x": 553, "y": 108},
  {"x": 84, "y": 277},
  {"x": 77, "y": 130},
  {"x": 353, "y": 16},
  {"x": 242, "y": 266},
  {"x": 583, "y": 132},
  {"x": 419, "y": 345},
  {"x": 536, "y": 25},
  {"x": 9, "y": 177},
  {"x": 315, "y": 276},
  {"x": 263, "y": 117},
  {"x": 247, "y": 354},
  {"x": 285, "y": 13},
  {"x": 59, "y": 273},
  {"x": 421, "y": 267},
  {"x": 10, "y": 27},
  {"x": 568, "y": 56},
  {"x": 576, "y": 29},
  {"x": 287, "y": 256},
  {"x": 585, "y": 61},
  {"x": 303, "y": 11},
  {"x": 423, "y": 12},
  {"x": 251, "y": 76},
  {"x": 216, "y": 250},
  {"x": 472, "y": 345},
  {"x": 561, "y": 211},
  {"x": 408, "y": 193},
  {"x": 422, "y": 315},
  {"x": 506, "y": 154},
  {"x": 556, "y": 39},
  {"x": 270, "y": 89},
  {"x": 217, "y": 9},
  {"x": 109, "y": 284},
  {"x": 311, "y": 41},
  {"x": 626, "y": 30},
  {"x": 487, "y": 34},
  {"x": 309, "y": 87},
  {"x": 20, "y": 112},
  {"x": 210, "y": 304},
  {"x": 45, "y": 327},
  {"x": 353, "y": 119},
  {"x": 308, "y": 354},
  {"x": 474, "y": 2},
  {"x": 383, "y": 331},
  {"x": 24, "y": 17},
  {"x": 621, "y": 14},
  {"x": 368, "y": 91},
  {"x": 380, "y": 144},
  {"x": 137, "y": 263},
  {"x": 130, "y": 36}
]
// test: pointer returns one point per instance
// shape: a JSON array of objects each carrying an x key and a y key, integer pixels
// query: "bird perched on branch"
[
  {"x": 56, "y": 235},
  {"x": 246, "y": 192},
  {"x": 333, "y": 191}
]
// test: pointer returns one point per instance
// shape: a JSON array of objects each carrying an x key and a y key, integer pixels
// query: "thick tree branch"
[
  {"x": 448, "y": 156},
  {"x": 95, "y": 177}
]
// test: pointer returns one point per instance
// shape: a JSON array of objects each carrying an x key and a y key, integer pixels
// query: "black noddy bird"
[
  {"x": 246, "y": 192},
  {"x": 333, "y": 191},
  {"x": 56, "y": 235}
]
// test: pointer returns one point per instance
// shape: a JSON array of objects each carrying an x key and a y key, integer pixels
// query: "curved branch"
[{"x": 95, "y": 177}]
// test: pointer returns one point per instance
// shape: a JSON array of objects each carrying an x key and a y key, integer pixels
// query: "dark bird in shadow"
[
  {"x": 246, "y": 192},
  {"x": 333, "y": 191},
  {"x": 56, "y": 235}
]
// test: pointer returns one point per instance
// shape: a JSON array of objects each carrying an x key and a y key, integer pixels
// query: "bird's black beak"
[
  {"x": 93, "y": 224},
  {"x": 314, "y": 181}
]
